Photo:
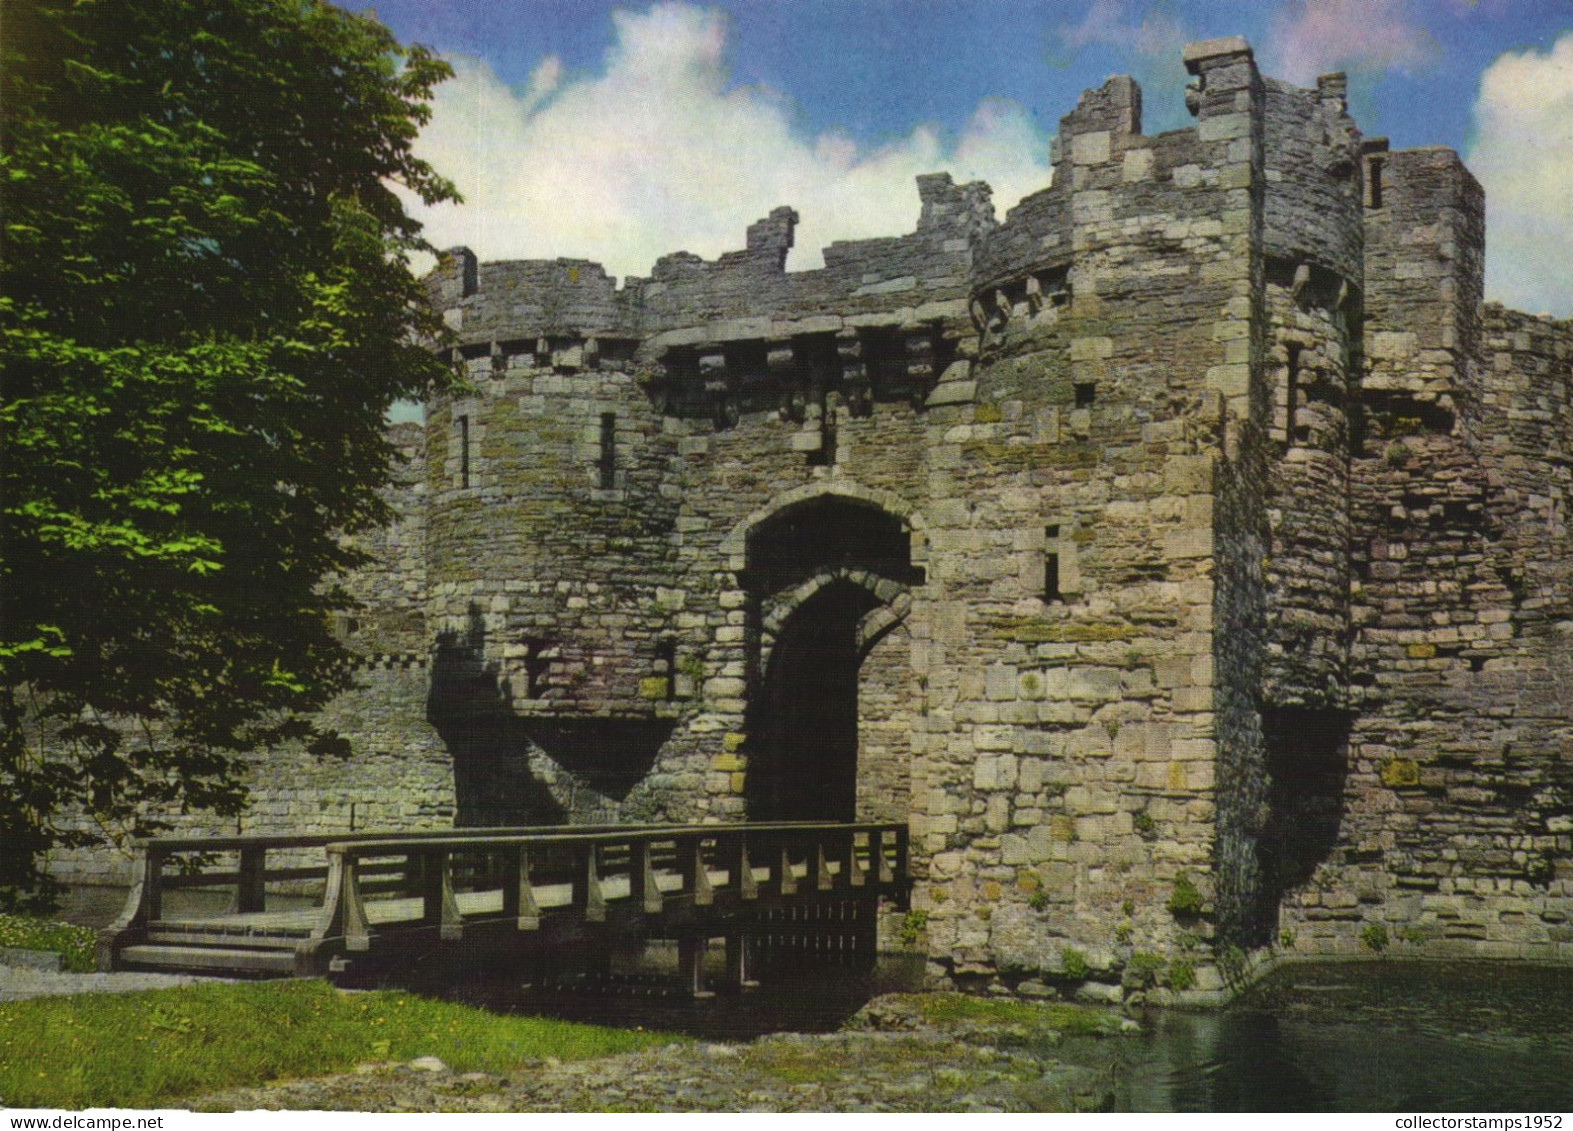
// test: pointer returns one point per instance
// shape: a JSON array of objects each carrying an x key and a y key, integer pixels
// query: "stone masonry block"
[
  {"x": 1091, "y": 349},
  {"x": 1090, "y": 148},
  {"x": 1000, "y": 683}
]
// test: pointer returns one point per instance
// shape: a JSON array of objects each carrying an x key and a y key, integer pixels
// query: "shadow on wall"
[
  {"x": 1308, "y": 764},
  {"x": 515, "y": 770}
]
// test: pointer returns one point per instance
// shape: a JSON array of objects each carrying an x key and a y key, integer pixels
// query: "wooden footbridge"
[{"x": 392, "y": 903}]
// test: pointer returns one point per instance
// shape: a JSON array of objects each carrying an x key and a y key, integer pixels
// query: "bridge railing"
[
  {"x": 250, "y": 867},
  {"x": 444, "y": 883},
  {"x": 646, "y": 864}
]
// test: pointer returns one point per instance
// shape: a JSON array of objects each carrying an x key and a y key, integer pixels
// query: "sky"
[{"x": 620, "y": 132}]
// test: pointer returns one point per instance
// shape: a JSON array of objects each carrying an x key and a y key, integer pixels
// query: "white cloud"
[
  {"x": 658, "y": 153},
  {"x": 1313, "y": 37},
  {"x": 1523, "y": 155},
  {"x": 1108, "y": 23}
]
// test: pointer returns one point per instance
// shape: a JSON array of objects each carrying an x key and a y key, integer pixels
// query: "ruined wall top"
[{"x": 1308, "y": 154}]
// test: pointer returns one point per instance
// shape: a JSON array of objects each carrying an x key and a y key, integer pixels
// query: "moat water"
[
  {"x": 1395, "y": 1035},
  {"x": 1374, "y": 1036}
]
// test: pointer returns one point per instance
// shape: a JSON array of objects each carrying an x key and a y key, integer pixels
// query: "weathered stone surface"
[{"x": 1158, "y": 527}]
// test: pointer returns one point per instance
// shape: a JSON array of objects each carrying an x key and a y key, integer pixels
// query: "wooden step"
[
  {"x": 208, "y": 959},
  {"x": 218, "y": 938}
]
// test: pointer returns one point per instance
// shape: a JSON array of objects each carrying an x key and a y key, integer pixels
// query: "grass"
[
  {"x": 74, "y": 944},
  {"x": 144, "y": 1049},
  {"x": 1069, "y": 1019}
]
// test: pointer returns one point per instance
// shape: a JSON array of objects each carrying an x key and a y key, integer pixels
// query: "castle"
[{"x": 1185, "y": 558}]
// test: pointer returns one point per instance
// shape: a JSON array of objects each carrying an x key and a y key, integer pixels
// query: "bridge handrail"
[
  {"x": 144, "y": 902},
  {"x": 609, "y": 833},
  {"x": 828, "y": 851},
  {"x": 251, "y": 874},
  {"x": 232, "y": 842}
]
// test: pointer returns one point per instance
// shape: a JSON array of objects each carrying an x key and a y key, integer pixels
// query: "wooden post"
[
  {"x": 856, "y": 875},
  {"x": 642, "y": 888},
  {"x": 704, "y": 892},
  {"x": 589, "y": 894},
  {"x": 739, "y": 963},
  {"x": 787, "y": 881},
  {"x": 823, "y": 880},
  {"x": 746, "y": 886},
  {"x": 691, "y": 965},
  {"x": 153, "y": 890},
  {"x": 356, "y": 927},
  {"x": 440, "y": 909},
  {"x": 518, "y": 896},
  {"x": 251, "y": 894}
]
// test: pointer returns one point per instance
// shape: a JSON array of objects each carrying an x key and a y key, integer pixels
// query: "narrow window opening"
[
  {"x": 666, "y": 664},
  {"x": 1051, "y": 566},
  {"x": 1376, "y": 183},
  {"x": 1292, "y": 396},
  {"x": 608, "y": 461},
  {"x": 464, "y": 451},
  {"x": 1086, "y": 393}
]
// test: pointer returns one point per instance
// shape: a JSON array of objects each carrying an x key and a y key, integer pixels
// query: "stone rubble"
[{"x": 887, "y": 1060}]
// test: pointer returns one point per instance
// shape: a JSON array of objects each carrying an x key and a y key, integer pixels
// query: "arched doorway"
[
  {"x": 827, "y": 579},
  {"x": 805, "y": 768}
]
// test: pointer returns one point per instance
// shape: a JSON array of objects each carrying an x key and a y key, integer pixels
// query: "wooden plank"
[
  {"x": 208, "y": 958},
  {"x": 226, "y": 939}
]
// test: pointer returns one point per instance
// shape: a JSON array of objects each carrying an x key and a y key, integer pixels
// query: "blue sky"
[{"x": 619, "y": 132}]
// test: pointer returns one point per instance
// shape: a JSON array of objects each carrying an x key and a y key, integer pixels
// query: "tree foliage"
[{"x": 206, "y": 309}]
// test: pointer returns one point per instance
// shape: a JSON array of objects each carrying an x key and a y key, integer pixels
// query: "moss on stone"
[
  {"x": 1030, "y": 630},
  {"x": 1073, "y": 964},
  {"x": 1186, "y": 898},
  {"x": 653, "y": 687},
  {"x": 1400, "y": 773}
]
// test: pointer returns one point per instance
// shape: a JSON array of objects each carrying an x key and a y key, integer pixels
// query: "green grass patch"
[
  {"x": 141, "y": 1049},
  {"x": 74, "y": 944},
  {"x": 941, "y": 1009}
]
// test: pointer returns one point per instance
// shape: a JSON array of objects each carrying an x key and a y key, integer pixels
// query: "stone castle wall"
[{"x": 1184, "y": 556}]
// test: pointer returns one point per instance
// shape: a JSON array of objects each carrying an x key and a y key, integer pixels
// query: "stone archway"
[
  {"x": 827, "y": 578},
  {"x": 805, "y": 763}
]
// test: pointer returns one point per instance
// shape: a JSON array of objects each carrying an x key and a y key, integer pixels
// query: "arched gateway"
[{"x": 828, "y": 579}]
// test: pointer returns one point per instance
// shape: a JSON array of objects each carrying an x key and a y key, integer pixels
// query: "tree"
[{"x": 206, "y": 309}]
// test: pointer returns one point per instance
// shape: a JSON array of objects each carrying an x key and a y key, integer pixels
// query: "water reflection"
[
  {"x": 1376, "y": 1037},
  {"x": 1379, "y": 1036},
  {"x": 803, "y": 1001}
]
